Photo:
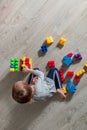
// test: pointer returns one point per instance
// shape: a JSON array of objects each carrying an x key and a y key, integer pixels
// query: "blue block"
[
  {"x": 12, "y": 66},
  {"x": 44, "y": 49},
  {"x": 67, "y": 60},
  {"x": 71, "y": 87}
]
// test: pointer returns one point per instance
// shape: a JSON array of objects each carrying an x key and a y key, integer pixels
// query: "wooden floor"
[{"x": 24, "y": 25}]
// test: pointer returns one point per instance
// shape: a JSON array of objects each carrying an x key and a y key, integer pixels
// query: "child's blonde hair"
[{"x": 21, "y": 92}]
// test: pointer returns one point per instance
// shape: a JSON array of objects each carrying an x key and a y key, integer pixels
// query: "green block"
[{"x": 17, "y": 69}]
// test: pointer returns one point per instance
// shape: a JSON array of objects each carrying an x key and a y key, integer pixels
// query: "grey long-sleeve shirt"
[{"x": 44, "y": 87}]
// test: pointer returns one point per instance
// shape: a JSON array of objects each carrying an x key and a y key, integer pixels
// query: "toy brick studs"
[
  {"x": 70, "y": 73},
  {"x": 78, "y": 56},
  {"x": 67, "y": 60},
  {"x": 17, "y": 64},
  {"x": 44, "y": 49},
  {"x": 80, "y": 72},
  {"x": 62, "y": 41},
  {"x": 51, "y": 63},
  {"x": 14, "y": 64},
  {"x": 49, "y": 40},
  {"x": 62, "y": 78}
]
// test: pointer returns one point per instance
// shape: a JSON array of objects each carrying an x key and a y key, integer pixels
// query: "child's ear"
[{"x": 31, "y": 101}]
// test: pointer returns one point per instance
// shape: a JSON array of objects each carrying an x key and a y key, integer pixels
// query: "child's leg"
[
  {"x": 31, "y": 76},
  {"x": 54, "y": 74}
]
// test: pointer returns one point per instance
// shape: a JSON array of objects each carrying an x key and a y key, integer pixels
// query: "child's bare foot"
[{"x": 63, "y": 96}]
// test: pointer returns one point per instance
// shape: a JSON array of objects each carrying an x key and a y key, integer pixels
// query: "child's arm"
[
  {"x": 36, "y": 72},
  {"x": 31, "y": 71}
]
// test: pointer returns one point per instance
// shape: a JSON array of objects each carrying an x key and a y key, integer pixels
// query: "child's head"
[{"x": 21, "y": 92}]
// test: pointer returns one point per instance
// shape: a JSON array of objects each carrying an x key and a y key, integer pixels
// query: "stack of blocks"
[
  {"x": 80, "y": 72},
  {"x": 17, "y": 64},
  {"x": 14, "y": 64},
  {"x": 62, "y": 78}
]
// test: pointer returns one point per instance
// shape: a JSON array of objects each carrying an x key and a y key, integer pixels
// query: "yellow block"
[
  {"x": 23, "y": 65},
  {"x": 64, "y": 90},
  {"x": 12, "y": 69},
  {"x": 49, "y": 40},
  {"x": 23, "y": 59},
  {"x": 85, "y": 64},
  {"x": 62, "y": 41},
  {"x": 30, "y": 61},
  {"x": 79, "y": 73}
]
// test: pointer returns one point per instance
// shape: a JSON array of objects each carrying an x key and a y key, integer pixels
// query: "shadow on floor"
[{"x": 20, "y": 117}]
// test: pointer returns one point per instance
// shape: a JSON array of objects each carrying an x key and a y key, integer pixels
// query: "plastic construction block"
[
  {"x": 26, "y": 62},
  {"x": 67, "y": 60},
  {"x": 78, "y": 56},
  {"x": 51, "y": 63},
  {"x": 49, "y": 40},
  {"x": 85, "y": 67},
  {"x": 17, "y": 64},
  {"x": 14, "y": 64},
  {"x": 62, "y": 41},
  {"x": 44, "y": 49},
  {"x": 71, "y": 87},
  {"x": 80, "y": 72},
  {"x": 62, "y": 78},
  {"x": 70, "y": 73},
  {"x": 77, "y": 79},
  {"x": 70, "y": 54},
  {"x": 64, "y": 90}
]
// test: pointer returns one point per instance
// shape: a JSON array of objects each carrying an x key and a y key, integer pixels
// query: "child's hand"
[{"x": 25, "y": 69}]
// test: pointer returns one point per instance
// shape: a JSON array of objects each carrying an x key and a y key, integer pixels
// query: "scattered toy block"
[
  {"x": 80, "y": 72},
  {"x": 62, "y": 78},
  {"x": 49, "y": 40},
  {"x": 44, "y": 49},
  {"x": 78, "y": 56},
  {"x": 85, "y": 67},
  {"x": 62, "y": 41},
  {"x": 85, "y": 64},
  {"x": 64, "y": 90},
  {"x": 77, "y": 79},
  {"x": 70, "y": 73},
  {"x": 71, "y": 87},
  {"x": 51, "y": 63},
  {"x": 67, "y": 60},
  {"x": 70, "y": 54}
]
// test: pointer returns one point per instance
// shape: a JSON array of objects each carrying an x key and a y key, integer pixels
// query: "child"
[{"x": 38, "y": 86}]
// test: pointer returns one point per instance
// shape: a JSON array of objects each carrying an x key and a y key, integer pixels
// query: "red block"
[
  {"x": 70, "y": 73},
  {"x": 77, "y": 79},
  {"x": 62, "y": 78},
  {"x": 27, "y": 60},
  {"x": 70, "y": 54},
  {"x": 51, "y": 63}
]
